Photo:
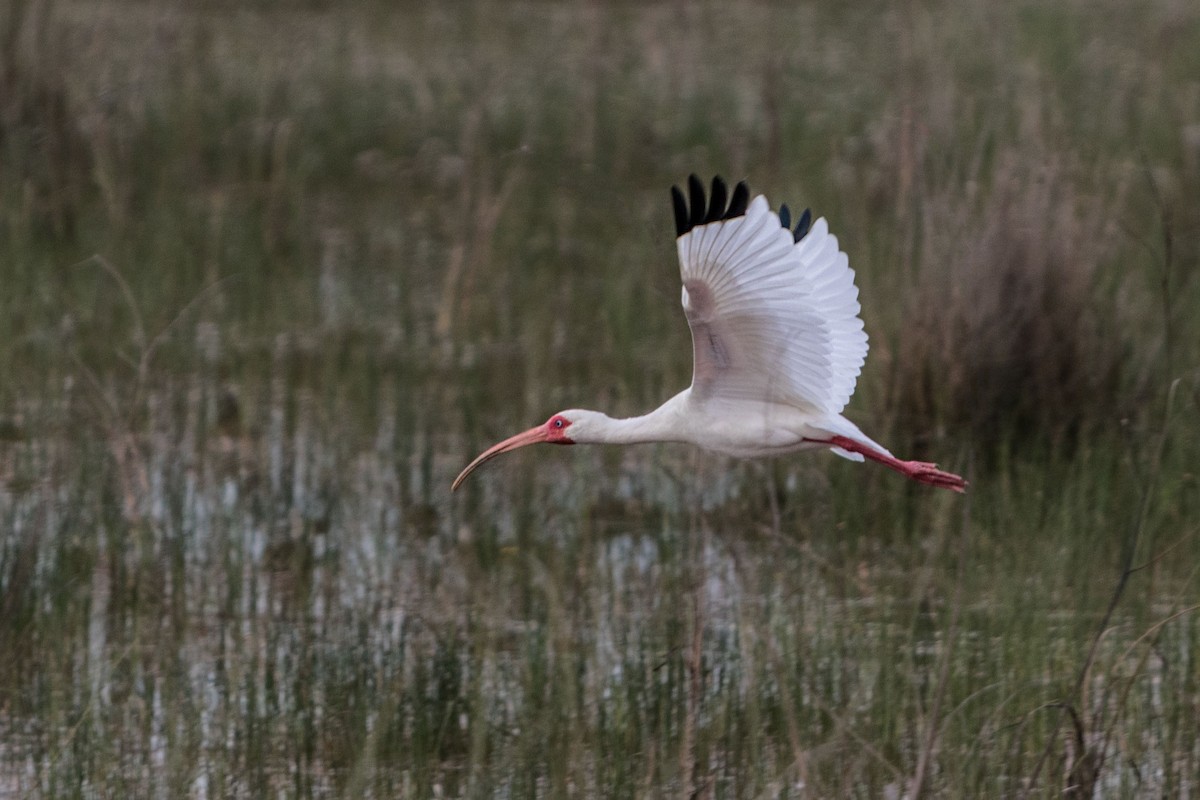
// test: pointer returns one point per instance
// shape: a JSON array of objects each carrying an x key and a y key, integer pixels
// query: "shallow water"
[{"x": 286, "y": 610}]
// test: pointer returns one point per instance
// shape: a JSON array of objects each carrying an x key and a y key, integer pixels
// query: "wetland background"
[{"x": 272, "y": 273}]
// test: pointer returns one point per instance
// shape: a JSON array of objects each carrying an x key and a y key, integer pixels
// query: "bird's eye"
[{"x": 558, "y": 422}]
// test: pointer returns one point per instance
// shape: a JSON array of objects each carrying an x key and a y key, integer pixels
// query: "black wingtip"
[
  {"x": 694, "y": 210},
  {"x": 681, "y": 211},
  {"x": 696, "y": 200},
  {"x": 741, "y": 199},
  {"x": 803, "y": 225},
  {"x": 716, "y": 201}
]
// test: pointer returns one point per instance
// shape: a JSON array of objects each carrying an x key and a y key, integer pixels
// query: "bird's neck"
[{"x": 657, "y": 426}]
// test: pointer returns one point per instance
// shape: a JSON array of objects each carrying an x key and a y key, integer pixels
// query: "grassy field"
[{"x": 272, "y": 273}]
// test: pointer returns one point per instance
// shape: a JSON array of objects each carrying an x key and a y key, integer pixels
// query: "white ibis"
[{"x": 777, "y": 344}]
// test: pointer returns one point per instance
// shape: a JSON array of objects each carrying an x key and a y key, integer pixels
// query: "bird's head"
[{"x": 565, "y": 427}]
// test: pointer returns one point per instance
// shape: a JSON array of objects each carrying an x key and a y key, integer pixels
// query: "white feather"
[{"x": 772, "y": 320}]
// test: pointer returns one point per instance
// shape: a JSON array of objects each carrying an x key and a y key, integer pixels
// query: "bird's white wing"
[{"x": 773, "y": 312}]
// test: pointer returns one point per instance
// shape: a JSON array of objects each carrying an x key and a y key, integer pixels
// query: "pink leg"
[{"x": 920, "y": 471}]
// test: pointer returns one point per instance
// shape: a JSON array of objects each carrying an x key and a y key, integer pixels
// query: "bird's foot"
[
  {"x": 920, "y": 471},
  {"x": 926, "y": 472}
]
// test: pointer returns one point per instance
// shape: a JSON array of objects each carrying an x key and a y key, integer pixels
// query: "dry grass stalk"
[{"x": 1006, "y": 333}]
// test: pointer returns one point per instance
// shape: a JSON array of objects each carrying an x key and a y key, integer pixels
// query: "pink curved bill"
[{"x": 531, "y": 436}]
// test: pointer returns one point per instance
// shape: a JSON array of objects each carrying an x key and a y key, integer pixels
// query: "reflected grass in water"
[{"x": 287, "y": 614}]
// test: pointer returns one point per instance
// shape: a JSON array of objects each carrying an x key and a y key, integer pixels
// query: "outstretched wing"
[{"x": 773, "y": 311}]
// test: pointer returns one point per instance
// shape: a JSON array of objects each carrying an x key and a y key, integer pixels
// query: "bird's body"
[
  {"x": 742, "y": 428},
  {"x": 777, "y": 343}
]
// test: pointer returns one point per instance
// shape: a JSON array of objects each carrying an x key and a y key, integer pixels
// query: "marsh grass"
[{"x": 292, "y": 267}]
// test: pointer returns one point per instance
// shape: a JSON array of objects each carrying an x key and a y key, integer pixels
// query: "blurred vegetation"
[{"x": 271, "y": 273}]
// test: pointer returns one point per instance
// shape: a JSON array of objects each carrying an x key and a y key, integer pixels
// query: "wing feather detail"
[{"x": 773, "y": 312}]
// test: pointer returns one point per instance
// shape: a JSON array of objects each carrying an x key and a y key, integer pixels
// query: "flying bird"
[{"x": 777, "y": 343}]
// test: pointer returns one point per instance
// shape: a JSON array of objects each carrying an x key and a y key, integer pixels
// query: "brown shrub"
[
  {"x": 1007, "y": 332},
  {"x": 42, "y": 150}
]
